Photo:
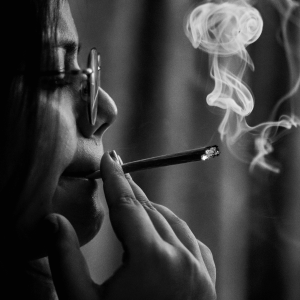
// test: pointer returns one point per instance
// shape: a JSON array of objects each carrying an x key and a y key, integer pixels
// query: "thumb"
[{"x": 69, "y": 269}]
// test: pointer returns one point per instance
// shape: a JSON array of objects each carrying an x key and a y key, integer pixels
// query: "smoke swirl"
[{"x": 224, "y": 29}]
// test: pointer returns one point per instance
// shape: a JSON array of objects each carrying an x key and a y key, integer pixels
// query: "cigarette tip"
[{"x": 211, "y": 152}]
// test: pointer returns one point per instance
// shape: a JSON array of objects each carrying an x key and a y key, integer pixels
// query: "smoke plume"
[{"x": 224, "y": 30}]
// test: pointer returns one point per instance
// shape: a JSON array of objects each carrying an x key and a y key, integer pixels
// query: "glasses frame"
[
  {"x": 93, "y": 84},
  {"x": 90, "y": 85}
]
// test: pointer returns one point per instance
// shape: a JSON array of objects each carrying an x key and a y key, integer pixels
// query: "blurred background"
[{"x": 250, "y": 221}]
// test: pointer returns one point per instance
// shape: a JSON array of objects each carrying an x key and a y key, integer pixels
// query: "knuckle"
[
  {"x": 131, "y": 200},
  {"x": 175, "y": 220},
  {"x": 177, "y": 259},
  {"x": 147, "y": 204},
  {"x": 188, "y": 261},
  {"x": 127, "y": 200},
  {"x": 160, "y": 253},
  {"x": 163, "y": 257},
  {"x": 180, "y": 273}
]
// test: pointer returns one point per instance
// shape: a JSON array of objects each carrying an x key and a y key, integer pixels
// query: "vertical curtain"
[
  {"x": 274, "y": 202},
  {"x": 251, "y": 222}
]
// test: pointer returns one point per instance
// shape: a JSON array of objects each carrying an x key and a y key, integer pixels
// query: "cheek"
[
  {"x": 47, "y": 191},
  {"x": 76, "y": 199},
  {"x": 66, "y": 137},
  {"x": 56, "y": 148}
]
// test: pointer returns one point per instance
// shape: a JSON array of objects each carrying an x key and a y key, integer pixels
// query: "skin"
[
  {"x": 78, "y": 149},
  {"x": 162, "y": 258}
]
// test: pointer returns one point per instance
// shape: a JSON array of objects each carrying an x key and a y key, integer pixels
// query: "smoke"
[{"x": 224, "y": 30}]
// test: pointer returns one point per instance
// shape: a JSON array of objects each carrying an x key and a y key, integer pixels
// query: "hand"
[{"x": 162, "y": 258}]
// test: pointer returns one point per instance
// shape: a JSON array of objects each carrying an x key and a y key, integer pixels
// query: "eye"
[{"x": 55, "y": 81}]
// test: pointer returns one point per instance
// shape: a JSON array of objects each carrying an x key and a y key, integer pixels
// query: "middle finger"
[
  {"x": 160, "y": 223},
  {"x": 182, "y": 231}
]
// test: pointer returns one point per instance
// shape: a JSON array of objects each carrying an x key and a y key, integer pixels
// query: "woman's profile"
[{"x": 54, "y": 116}]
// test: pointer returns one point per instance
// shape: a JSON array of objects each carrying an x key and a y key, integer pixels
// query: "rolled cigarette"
[{"x": 167, "y": 160}]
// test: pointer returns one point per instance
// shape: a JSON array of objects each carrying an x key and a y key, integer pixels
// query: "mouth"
[{"x": 78, "y": 175}]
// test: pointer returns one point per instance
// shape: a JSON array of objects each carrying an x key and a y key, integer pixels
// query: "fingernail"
[
  {"x": 128, "y": 176},
  {"x": 120, "y": 160},
  {"x": 114, "y": 156}
]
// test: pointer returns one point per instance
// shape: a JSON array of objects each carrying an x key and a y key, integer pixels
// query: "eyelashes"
[
  {"x": 56, "y": 81},
  {"x": 59, "y": 79}
]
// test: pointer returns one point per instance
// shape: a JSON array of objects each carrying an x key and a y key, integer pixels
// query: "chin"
[
  {"x": 79, "y": 201},
  {"x": 38, "y": 245},
  {"x": 87, "y": 226}
]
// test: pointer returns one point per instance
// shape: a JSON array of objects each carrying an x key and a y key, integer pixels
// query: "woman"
[{"x": 54, "y": 117}]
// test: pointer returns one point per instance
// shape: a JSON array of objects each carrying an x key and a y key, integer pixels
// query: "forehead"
[{"x": 66, "y": 29}]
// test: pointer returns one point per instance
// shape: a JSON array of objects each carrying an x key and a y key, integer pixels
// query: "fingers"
[
  {"x": 208, "y": 260},
  {"x": 129, "y": 219},
  {"x": 160, "y": 223},
  {"x": 68, "y": 267},
  {"x": 144, "y": 226},
  {"x": 181, "y": 229},
  {"x": 172, "y": 228},
  {"x": 139, "y": 193},
  {"x": 183, "y": 232},
  {"x": 140, "y": 224},
  {"x": 186, "y": 236}
]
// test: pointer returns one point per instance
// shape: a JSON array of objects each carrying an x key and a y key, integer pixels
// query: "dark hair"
[
  {"x": 27, "y": 36},
  {"x": 30, "y": 22}
]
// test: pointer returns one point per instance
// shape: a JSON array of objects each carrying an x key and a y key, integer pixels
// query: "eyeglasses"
[{"x": 90, "y": 86}]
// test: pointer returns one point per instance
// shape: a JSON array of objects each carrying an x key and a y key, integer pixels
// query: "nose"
[{"x": 106, "y": 114}]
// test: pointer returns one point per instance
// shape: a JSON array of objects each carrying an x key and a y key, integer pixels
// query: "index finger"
[{"x": 130, "y": 221}]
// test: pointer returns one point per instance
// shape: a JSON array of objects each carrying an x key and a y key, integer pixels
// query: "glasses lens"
[{"x": 93, "y": 63}]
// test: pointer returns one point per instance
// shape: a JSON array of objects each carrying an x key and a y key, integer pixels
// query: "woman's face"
[{"x": 76, "y": 150}]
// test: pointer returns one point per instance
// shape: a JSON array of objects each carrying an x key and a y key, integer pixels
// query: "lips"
[
  {"x": 75, "y": 171},
  {"x": 80, "y": 175},
  {"x": 81, "y": 169}
]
